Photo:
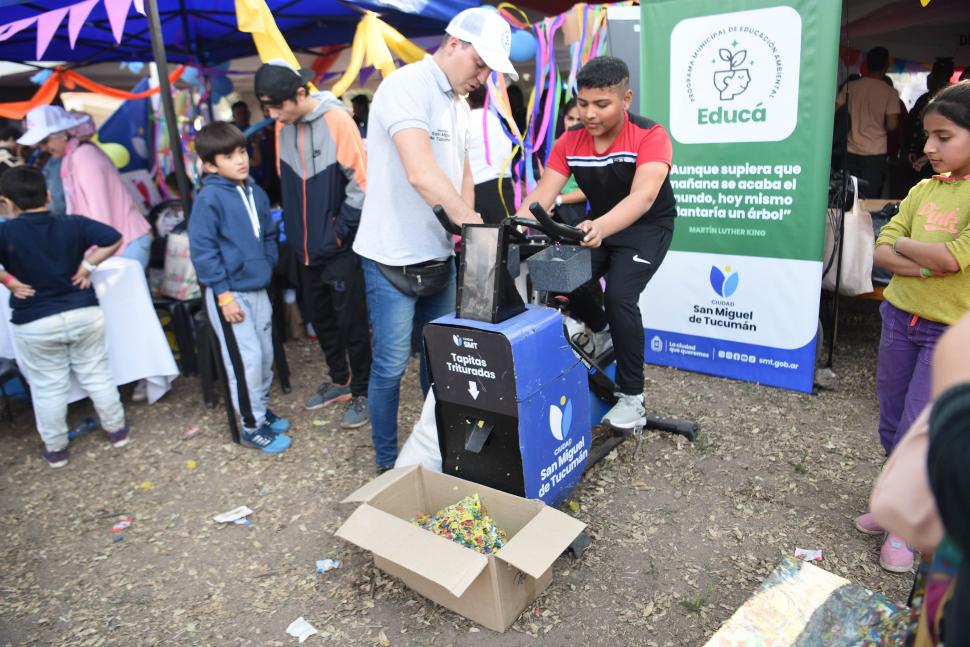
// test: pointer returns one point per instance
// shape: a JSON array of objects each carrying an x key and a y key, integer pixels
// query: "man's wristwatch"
[{"x": 88, "y": 265}]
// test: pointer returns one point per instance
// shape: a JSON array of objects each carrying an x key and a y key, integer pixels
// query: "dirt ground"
[{"x": 681, "y": 533}]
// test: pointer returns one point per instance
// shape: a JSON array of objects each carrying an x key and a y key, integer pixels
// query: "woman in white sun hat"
[{"x": 92, "y": 185}]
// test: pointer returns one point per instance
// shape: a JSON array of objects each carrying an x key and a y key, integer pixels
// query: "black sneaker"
[
  {"x": 384, "y": 468},
  {"x": 56, "y": 459},
  {"x": 118, "y": 438}
]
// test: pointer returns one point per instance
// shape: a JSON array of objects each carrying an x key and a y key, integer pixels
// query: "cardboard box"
[{"x": 491, "y": 590}]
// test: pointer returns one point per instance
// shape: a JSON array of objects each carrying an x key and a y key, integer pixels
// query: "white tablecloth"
[{"x": 137, "y": 347}]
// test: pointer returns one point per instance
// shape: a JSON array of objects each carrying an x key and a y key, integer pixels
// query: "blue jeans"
[
  {"x": 393, "y": 317},
  {"x": 139, "y": 250}
]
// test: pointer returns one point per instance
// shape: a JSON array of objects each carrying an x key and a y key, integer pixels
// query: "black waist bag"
[{"x": 420, "y": 279}]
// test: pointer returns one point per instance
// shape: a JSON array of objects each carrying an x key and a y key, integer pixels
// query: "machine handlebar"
[
  {"x": 445, "y": 221},
  {"x": 543, "y": 222},
  {"x": 556, "y": 231}
]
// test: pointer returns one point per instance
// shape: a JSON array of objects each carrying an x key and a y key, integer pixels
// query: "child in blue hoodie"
[{"x": 233, "y": 246}]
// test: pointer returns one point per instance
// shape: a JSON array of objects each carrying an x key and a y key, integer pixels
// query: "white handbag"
[
  {"x": 180, "y": 281},
  {"x": 856, "y": 249}
]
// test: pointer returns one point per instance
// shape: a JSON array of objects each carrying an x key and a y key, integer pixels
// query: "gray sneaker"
[
  {"x": 627, "y": 413},
  {"x": 327, "y": 394},
  {"x": 356, "y": 414}
]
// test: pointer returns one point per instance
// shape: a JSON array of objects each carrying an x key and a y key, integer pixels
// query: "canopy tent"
[
  {"x": 205, "y": 32},
  {"x": 909, "y": 30},
  {"x": 200, "y": 31}
]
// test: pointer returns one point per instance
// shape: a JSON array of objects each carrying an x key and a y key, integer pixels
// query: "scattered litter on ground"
[
  {"x": 701, "y": 523},
  {"x": 233, "y": 515},
  {"x": 301, "y": 629},
  {"x": 121, "y": 525},
  {"x": 190, "y": 431},
  {"x": 324, "y": 565},
  {"x": 191, "y": 464},
  {"x": 808, "y": 555},
  {"x": 146, "y": 485}
]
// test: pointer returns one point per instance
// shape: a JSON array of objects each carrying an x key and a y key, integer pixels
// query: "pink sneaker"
[
  {"x": 867, "y": 525},
  {"x": 895, "y": 555}
]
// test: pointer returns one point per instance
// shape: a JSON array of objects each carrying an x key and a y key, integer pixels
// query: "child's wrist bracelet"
[
  {"x": 225, "y": 300},
  {"x": 7, "y": 281},
  {"x": 925, "y": 273}
]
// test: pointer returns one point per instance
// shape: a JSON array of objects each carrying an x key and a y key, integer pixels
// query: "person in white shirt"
[{"x": 417, "y": 147}]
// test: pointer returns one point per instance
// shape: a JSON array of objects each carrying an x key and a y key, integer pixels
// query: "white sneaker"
[
  {"x": 140, "y": 392},
  {"x": 627, "y": 413}
]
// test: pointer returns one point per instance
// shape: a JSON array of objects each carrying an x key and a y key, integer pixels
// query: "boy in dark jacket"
[
  {"x": 322, "y": 179},
  {"x": 233, "y": 247}
]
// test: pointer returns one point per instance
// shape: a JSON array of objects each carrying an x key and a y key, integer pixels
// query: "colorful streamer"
[
  {"x": 376, "y": 44},
  {"x": 71, "y": 79},
  {"x": 254, "y": 17},
  {"x": 586, "y": 25}
]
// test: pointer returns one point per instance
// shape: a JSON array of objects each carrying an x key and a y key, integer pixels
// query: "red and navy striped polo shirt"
[{"x": 607, "y": 177}]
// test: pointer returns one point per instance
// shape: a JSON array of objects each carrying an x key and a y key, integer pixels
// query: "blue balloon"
[
  {"x": 220, "y": 86},
  {"x": 40, "y": 77},
  {"x": 524, "y": 46},
  {"x": 191, "y": 76},
  {"x": 258, "y": 126}
]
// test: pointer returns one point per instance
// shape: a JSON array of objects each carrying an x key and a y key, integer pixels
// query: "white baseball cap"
[
  {"x": 48, "y": 120},
  {"x": 489, "y": 34}
]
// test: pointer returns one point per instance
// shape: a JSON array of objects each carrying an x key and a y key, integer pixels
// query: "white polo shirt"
[{"x": 397, "y": 227}]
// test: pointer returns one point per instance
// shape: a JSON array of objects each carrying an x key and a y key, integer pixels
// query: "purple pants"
[{"x": 903, "y": 370}]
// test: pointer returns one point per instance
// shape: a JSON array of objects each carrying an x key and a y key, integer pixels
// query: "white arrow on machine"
[{"x": 473, "y": 389}]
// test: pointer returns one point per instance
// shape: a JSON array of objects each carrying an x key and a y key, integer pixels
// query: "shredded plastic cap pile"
[{"x": 466, "y": 523}]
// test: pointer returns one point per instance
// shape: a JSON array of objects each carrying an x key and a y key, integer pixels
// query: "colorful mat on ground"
[
  {"x": 801, "y": 604},
  {"x": 467, "y": 523}
]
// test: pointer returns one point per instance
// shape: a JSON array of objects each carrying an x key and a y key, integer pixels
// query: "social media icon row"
[{"x": 737, "y": 357}]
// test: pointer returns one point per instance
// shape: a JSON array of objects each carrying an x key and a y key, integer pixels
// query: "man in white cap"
[{"x": 417, "y": 157}]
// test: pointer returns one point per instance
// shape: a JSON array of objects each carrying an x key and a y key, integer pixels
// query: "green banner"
[{"x": 746, "y": 90}]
